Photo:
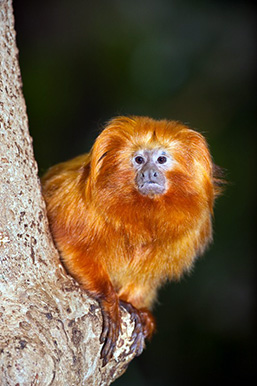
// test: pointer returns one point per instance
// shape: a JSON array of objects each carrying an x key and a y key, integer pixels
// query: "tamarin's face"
[
  {"x": 150, "y": 166},
  {"x": 139, "y": 161}
]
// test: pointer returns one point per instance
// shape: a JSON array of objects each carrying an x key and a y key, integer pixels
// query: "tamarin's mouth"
[
  {"x": 146, "y": 183},
  {"x": 150, "y": 188}
]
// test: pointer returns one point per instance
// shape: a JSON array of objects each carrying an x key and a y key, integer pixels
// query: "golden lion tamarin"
[{"x": 130, "y": 214}]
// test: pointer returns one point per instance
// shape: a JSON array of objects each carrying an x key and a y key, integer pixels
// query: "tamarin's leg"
[{"x": 95, "y": 280}]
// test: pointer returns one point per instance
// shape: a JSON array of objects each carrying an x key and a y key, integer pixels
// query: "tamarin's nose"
[{"x": 150, "y": 174}]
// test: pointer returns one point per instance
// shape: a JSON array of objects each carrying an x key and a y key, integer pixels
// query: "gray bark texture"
[{"x": 49, "y": 328}]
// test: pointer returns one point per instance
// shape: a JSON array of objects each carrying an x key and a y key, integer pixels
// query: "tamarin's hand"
[{"x": 131, "y": 214}]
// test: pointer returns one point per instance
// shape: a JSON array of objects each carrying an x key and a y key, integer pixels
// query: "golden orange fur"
[{"x": 121, "y": 245}]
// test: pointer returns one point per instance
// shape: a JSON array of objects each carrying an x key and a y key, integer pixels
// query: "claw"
[
  {"x": 110, "y": 332},
  {"x": 105, "y": 328},
  {"x": 138, "y": 345}
]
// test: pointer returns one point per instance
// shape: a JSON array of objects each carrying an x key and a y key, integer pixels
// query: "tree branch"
[{"x": 49, "y": 328}]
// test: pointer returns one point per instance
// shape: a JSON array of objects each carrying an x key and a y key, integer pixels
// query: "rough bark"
[{"x": 50, "y": 329}]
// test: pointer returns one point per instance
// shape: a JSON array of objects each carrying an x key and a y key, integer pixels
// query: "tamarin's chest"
[{"x": 133, "y": 263}]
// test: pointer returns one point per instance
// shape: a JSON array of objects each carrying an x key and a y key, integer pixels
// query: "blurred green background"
[{"x": 84, "y": 62}]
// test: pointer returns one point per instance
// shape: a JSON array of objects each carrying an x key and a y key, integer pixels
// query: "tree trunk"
[{"x": 50, "y": 329}]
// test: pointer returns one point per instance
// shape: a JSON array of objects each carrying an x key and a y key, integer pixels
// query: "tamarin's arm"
[
  {"x": 93, "y": 278},
  {"x": 85, "y": 264}
]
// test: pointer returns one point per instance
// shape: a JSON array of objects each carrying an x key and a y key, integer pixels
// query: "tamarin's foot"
[
  {"x": 144, "y": 326},
  {"x": 148, "y": 321}
]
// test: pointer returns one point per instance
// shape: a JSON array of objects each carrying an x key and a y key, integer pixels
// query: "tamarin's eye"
[
  {"x": 162, "y": 159},
  {"x": 139, "y": 160}
]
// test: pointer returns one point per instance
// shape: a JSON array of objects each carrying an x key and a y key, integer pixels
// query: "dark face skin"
[{"x": 151, "y": 166}]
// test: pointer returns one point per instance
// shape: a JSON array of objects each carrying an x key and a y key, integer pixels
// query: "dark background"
[{"x": 84, "y": 62}]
